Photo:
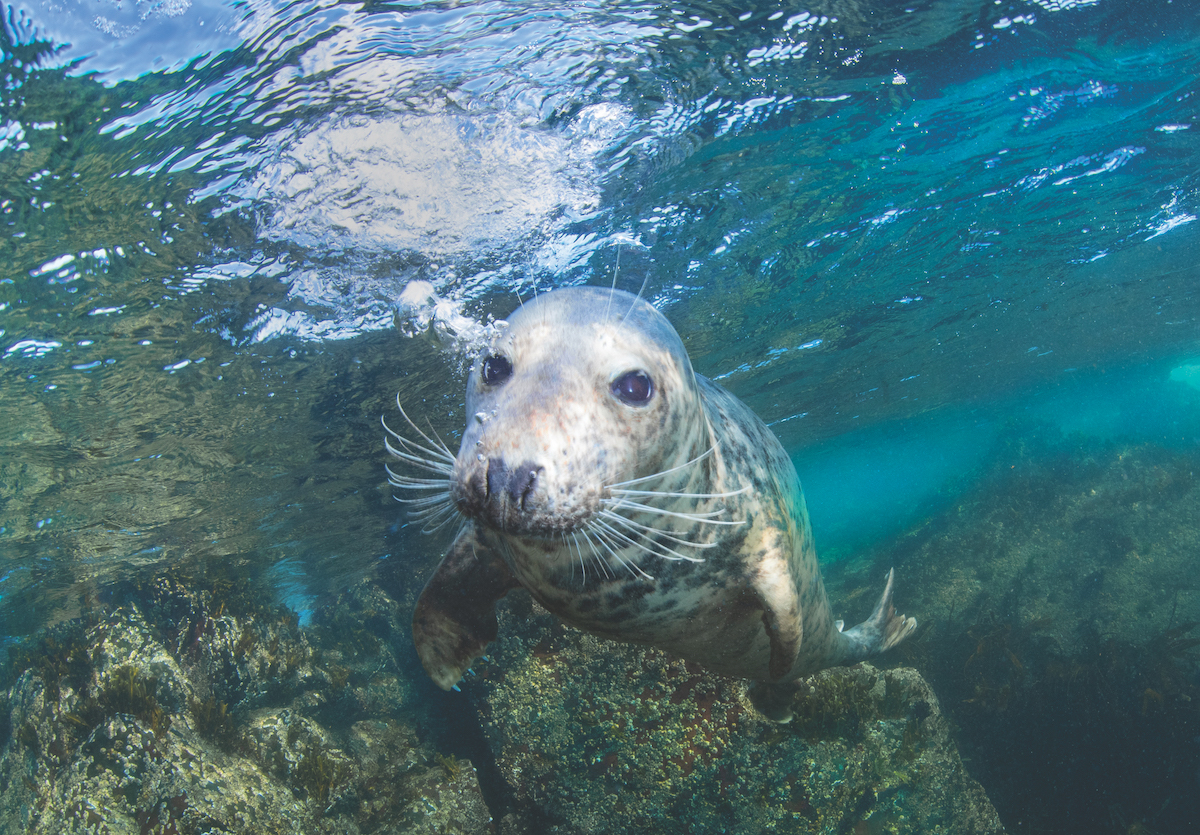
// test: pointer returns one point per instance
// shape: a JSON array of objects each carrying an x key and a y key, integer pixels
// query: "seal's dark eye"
[
  {"x": 495, "y": 369},
  {"x": 634, "y": 388}
]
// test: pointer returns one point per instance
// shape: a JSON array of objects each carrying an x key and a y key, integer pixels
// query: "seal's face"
[{"x": 580, "y": 391}]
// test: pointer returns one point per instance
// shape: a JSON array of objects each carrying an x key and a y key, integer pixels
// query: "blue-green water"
[{"x": 894, "y": 229}]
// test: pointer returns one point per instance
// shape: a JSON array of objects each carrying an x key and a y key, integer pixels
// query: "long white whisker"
[
  {"x": 423, "y": 463},
  {"x": 599, "y": 557},
  {"x": 644, "y": 529},
  {"x": 664, "y": 494},
  {"x": 415, "y": 479},
  {"x": 691, "y": 517},
  {"x": 619, "y": 535},
  {"x": 426, "y": 501},
  {"x": 633, "y": 304},
  {"x": 649, "y": 545},
  {"x": 397, "y": 480},
  {"x": 434, "y": 442},
  {"x": 431, "y": 511},
  {"x": 611, "y": 290},
  {"x": 432, "y": 528},
  {"x": 413, "y": 448},
  {"x": 435, "y": 519},
  {"x": 595, "y": 537},
  {"x": 633, "y": 568},
  {"x": 441, "y": 444},
  {"x": 661, "y": 473},
  {"x": 438, "y": 445},
  {"x": 579, "y": 552}
]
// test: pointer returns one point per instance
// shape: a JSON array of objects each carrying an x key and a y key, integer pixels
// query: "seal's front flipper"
[
  {"x": 455, "y": 618},
  {"x": 883, "y": 630}
]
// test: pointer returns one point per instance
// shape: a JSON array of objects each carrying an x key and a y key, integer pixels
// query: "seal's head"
[{"x": 583, "y": 388}]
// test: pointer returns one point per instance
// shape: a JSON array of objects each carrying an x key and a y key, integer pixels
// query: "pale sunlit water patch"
[{"x": 438, "y": 183}]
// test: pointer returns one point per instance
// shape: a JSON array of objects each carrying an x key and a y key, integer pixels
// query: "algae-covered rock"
[
  {"x": 120, "y": 752},
  {"x": 172, "y": 714},
  {"x": 600, "y": 737},
  {"x": 1060, "y": 613}
]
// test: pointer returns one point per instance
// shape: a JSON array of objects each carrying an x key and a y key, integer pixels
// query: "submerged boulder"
[
  {"x": 170, "y": 715},
  {"x": 1061, "y": 621},
  {"x": 599, "y": 737}
]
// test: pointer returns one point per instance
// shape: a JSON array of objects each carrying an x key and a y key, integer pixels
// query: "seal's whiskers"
[
  {"x": 645, "y": 543},
  {"x": 637, "y": 298},
  {"x": 616, "y": 485},
  {"x": 706, "y": 517},
  {"x": 427, "y": 501},
  {"x": 434, "y": 510},
  {"x": 636, "y": 497},
  {"x": 424, "y": 463},
  {"x": 632, "y": 567},
  {"x": 435, "y": 518},
  {"x": 643, "y": 530},
  {"x": 408, "y": 482},
  {"x": 582, "y": 564},
  {"x": 428, "y": 506},
  {"x": 434, "y": 454},
  {"x": 600, "y": 558},
  {"x": 669, "y": 495}
]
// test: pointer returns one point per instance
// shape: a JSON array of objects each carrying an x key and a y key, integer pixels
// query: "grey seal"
[{"x": 632, "y": 497}]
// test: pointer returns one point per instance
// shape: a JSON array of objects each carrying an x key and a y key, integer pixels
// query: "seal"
[{"x": 632, "y": 497}]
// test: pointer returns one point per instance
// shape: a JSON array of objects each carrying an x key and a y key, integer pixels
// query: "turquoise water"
[
  {"x": 233, "y": 232},
  {"x": 871, "y": 484}
]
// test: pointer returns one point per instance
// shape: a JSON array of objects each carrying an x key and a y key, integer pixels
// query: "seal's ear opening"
[{"x": 633, "y": 388}]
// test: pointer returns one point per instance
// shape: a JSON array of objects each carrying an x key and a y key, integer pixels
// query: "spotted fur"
[{"x": 678, "y": 522}]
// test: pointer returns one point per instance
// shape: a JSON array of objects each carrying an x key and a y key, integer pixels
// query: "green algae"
[
  {"x": 1059, "y": 602},
  {"x": 179, "y": 723},
  {"x": 600, "y": 737}
]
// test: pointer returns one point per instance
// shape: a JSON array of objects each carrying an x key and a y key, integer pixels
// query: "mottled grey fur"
[{"x": 708, "y": 554}]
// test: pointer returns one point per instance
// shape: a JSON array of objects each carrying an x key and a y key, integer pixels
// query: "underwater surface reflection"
[{"x": 947, "y": 251}]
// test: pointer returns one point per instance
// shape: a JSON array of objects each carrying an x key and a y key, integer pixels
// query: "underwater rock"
[
  {"x": 170, "y": 714},
  {"x": 1077, "y": 540},
  {"x": 597, "y": 737},
  {"x": 1061, "y": 627}
]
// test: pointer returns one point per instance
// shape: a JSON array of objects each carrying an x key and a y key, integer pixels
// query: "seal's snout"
[
  {"x": 507, "y": 498},
  {"x": 517, "y": 483}
]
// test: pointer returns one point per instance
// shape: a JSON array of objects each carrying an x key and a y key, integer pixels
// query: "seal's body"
[{"x": 633, "y": 498}]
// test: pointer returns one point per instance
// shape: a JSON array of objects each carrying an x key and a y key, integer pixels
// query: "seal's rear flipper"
[
  {"x": 455, "y": 618},
  {"x": 774, "y": 701},
  {"x": 883, "y": 630}
]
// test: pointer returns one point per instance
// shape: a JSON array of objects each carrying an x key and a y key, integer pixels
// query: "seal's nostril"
[
  {"x": 522, "y": 483},
  {"x": 497, "y": 477}
]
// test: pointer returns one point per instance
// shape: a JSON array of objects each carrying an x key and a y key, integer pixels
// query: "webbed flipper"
[
  {"x": 455, "y": 618},
  {"x": 775, "y": 592},
  {"x": 774, "y": 701},
  {"x": 784, "y": 626},
  {"x": 883, "y": 630}
]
